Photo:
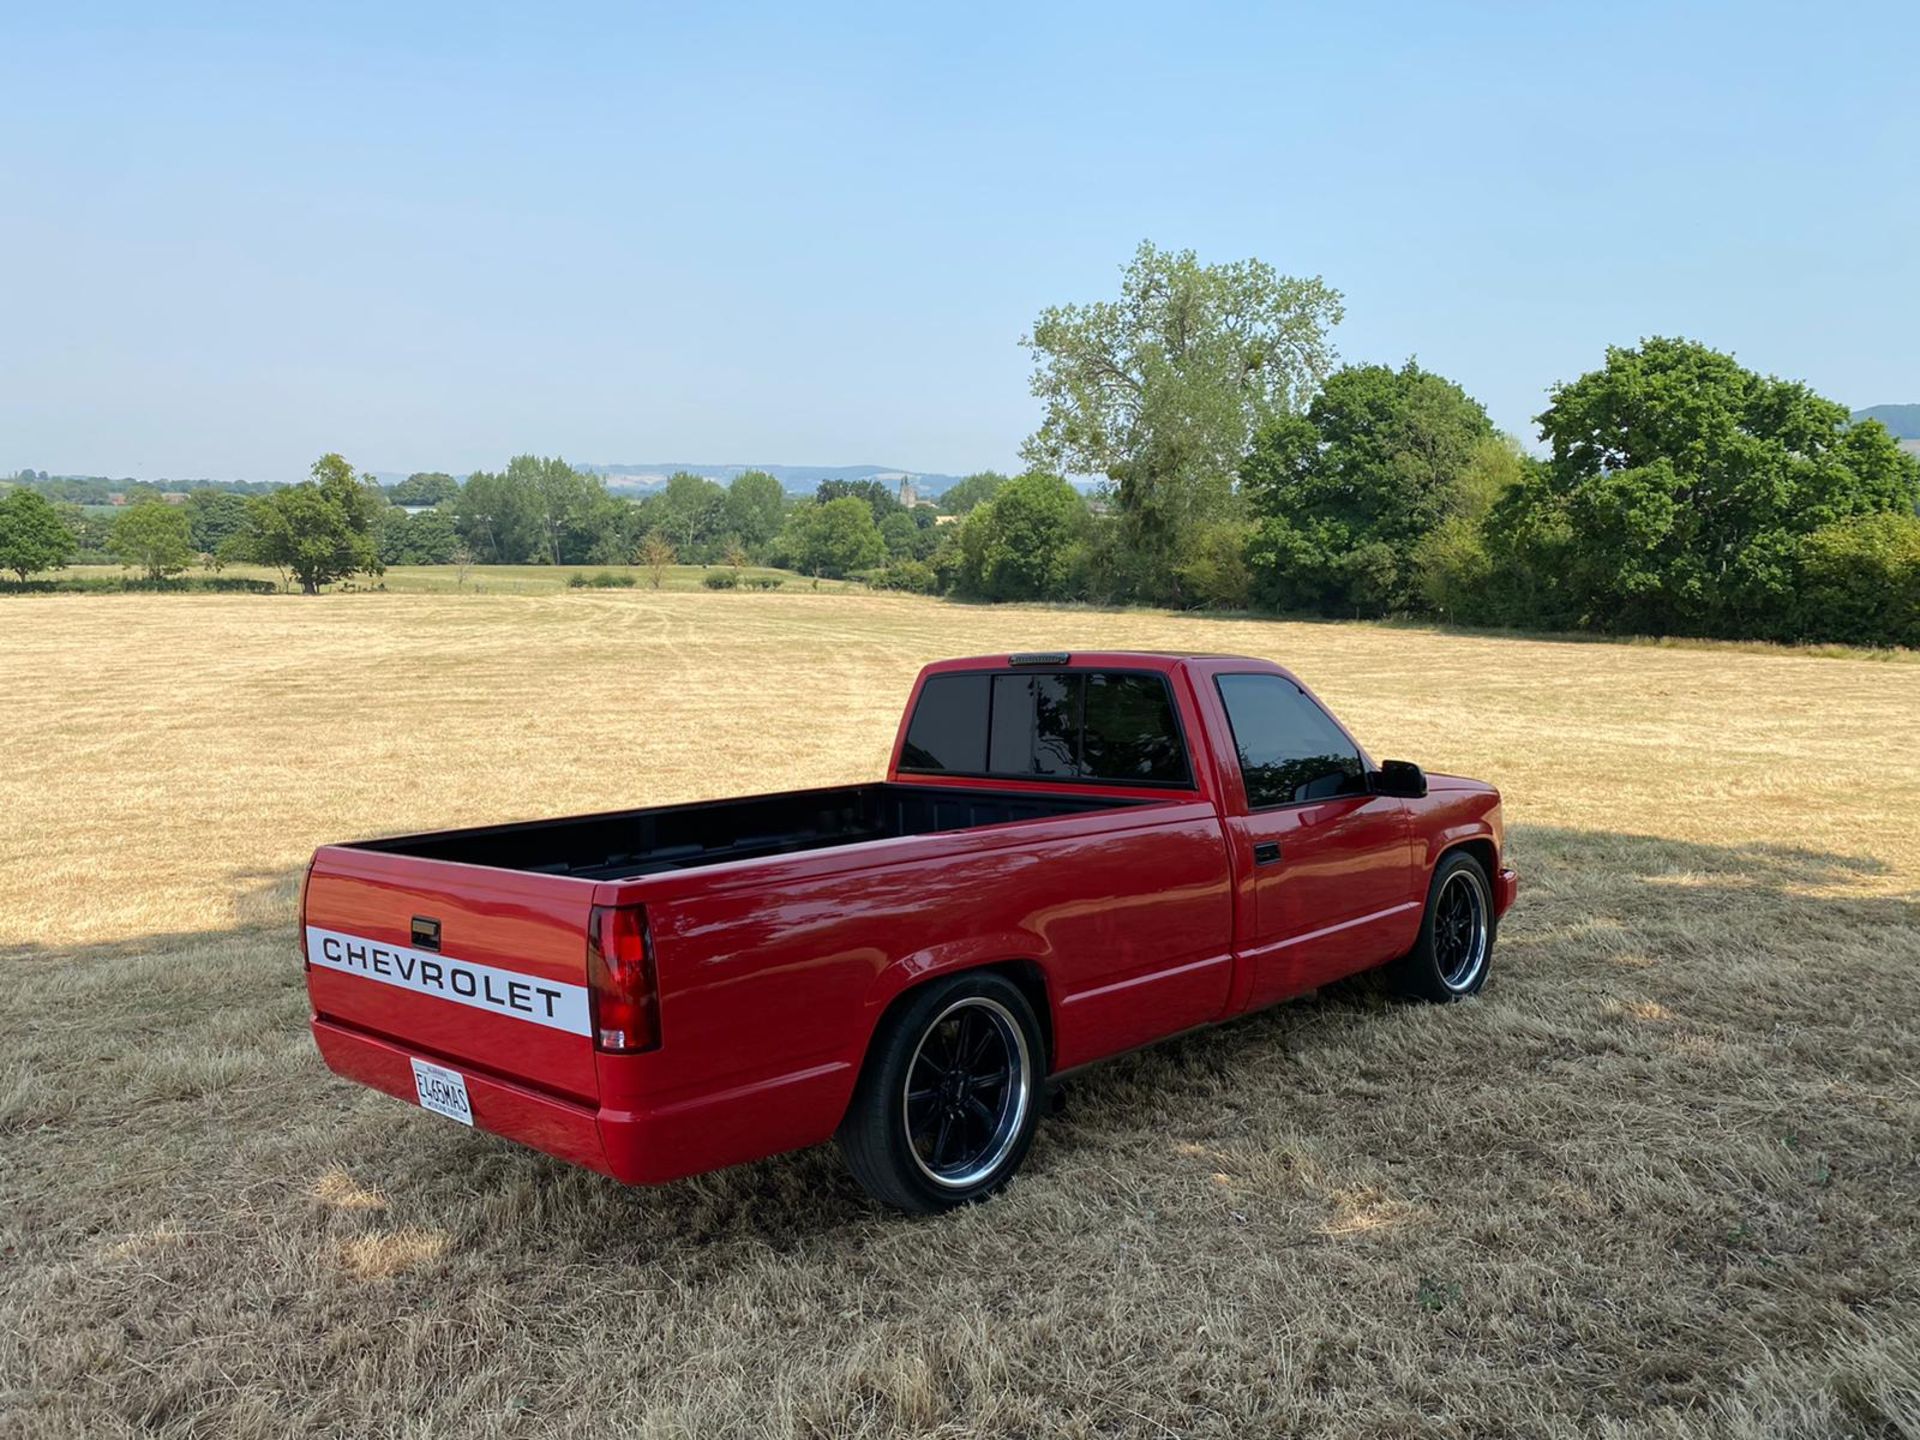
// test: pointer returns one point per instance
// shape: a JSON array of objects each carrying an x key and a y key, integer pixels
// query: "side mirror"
[{"x": 1399, "y": 778}]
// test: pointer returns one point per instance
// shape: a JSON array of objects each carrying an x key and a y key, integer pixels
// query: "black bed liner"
[{"x": 627, "y": 843}]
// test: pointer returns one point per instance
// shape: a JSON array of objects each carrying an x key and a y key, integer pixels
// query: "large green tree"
[
  {"x": 214, "y": 517},
  {"x": 323, "y": 529},
  {"x": 1679, "y": 490},
  {"x": 691, "y": 510},
  {"x": 1027, "y": 543},
  {"x": 833, "y": 539},
  {"x": 1345, "y": 493},
  {"x": 32, "y": 536},
  {"x": 756, "y": 504},
  {"x": 426, "y": 538},
  {"x": 154, "y": 538},
  {"x": 500, "y": 517},
  {"x": 1162, "y": 390}
]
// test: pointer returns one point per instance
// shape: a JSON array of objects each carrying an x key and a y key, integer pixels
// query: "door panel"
[
  {"x": 1326, "y": 864},
  {"x": 1337, "y": 897}
]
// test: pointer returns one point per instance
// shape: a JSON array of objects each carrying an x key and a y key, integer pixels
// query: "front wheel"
[
  {"x": 946, "y": 1107},
  {"x": 1449, "y": 961}
]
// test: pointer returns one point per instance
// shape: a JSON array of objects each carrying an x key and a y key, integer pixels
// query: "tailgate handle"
[
  {"x": 1267, "y": 852},
  {"x": 426, "y": 933}
]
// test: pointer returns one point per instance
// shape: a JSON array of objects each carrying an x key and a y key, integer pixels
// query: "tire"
[
  {"x": 1451, "y": 958},
  {"x": 950, "y": 1095}
]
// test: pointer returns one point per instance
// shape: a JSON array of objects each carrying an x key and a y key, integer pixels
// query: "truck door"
[{"x": 1329, "y": 863}]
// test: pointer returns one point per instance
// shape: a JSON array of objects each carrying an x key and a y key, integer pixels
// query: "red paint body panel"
[{"x": 1132, "y": 923}]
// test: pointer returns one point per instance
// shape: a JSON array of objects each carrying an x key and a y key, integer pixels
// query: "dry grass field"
[{"x": 1662, "y": 1179}]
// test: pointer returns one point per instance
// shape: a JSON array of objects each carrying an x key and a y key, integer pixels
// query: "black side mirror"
[{"x": 1399, "y": 778}]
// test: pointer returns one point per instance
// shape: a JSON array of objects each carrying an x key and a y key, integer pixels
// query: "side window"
[{"x": 1290, "y": 749}]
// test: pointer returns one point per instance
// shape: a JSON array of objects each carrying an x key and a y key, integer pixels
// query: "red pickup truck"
[{"x": 1070, "y": 856}]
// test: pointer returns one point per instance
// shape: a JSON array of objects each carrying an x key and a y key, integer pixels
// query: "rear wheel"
[
  {"x": 947, "y": 1104},
  {"x": 1450, "y": 959}
]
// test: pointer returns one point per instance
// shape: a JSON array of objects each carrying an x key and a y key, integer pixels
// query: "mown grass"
[{"x": 1662, "y": 1179}]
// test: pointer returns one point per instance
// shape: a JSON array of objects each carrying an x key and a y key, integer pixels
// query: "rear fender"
[{"x": 976, "y": 952}]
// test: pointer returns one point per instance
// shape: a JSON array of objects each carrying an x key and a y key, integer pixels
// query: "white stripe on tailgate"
[{"x": 553, "y": 1003}]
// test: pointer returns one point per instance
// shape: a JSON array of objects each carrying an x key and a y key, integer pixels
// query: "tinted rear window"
[
  {"x": 1131, "y": 733},
  {"x": 1049, "y": 725}
]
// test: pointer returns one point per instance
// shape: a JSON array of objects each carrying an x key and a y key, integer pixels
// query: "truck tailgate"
[{"x": 455, "y": 963}]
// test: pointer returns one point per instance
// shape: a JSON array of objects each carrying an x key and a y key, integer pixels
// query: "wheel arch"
[
  {"x": 1028, "y": 976},
  {"x": 1480, "y": 847}
]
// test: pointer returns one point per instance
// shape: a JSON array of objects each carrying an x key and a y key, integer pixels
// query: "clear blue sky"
[{"x": 434, "y": 236}]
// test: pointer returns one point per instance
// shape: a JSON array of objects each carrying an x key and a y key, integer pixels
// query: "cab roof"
[{"x": 1088, "y": 659}]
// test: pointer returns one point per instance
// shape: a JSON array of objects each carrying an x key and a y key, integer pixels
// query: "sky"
[{"x": 433, "y": 237}]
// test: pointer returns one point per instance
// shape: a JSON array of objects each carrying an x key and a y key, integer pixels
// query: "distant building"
[
  {"x": 118, "y": 497},
  {"x": 909, "y": 496},
  {"x": 173, "y": 497}
]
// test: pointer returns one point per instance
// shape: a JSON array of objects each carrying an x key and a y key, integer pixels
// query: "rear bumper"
[
  {"x": 1505, "y": 887},
  {"x": 559, "y": 1127},
  {"x": 635, "y": 1147}
]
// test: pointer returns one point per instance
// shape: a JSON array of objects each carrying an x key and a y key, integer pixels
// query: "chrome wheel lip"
[
  {"x": 1465, "y": 971},
  {"x": 1013, "y": 1112}
]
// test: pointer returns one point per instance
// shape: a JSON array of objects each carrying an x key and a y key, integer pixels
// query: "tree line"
[
  {"x": 535, "y": 510},
  {"x": 1237, "y": 466}
]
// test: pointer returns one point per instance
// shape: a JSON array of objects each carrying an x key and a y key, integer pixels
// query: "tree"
[
  {"x": 565, "y": 501},
  {"x": 425, "y": 487},
  {"x": 976, "y": 489},
  {"x": 878, "y": 496},
  {"x": 155, "y": 537},
  {"x": 1162, "y": 390},
  {"x": 214, "y": 517},
  {"x": 756, "y": 504},
  {"x": 1027, "y": 543},
  {"x": 1347, "y": 492},
  {"x": 691, "y": 509},
  {"x": 656, "y": 553},
  {"x": 322, "y": 529},
  {"x": 834, "y": 539},
  {"x": 1860, "y": 581},
  {"x": 1680, "y": 489},
  {"x": 500, "y": 516},
  {"x": 900, "y": 534},
  {"x": 32, "y": 536},
  {"x": 426, "y": 538}
]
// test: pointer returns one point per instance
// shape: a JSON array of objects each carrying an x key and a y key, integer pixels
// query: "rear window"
[{"x": 1049, "y": 725}]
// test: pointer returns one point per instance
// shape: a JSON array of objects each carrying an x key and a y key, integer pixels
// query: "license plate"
[{"x": 442, "y": 1091}]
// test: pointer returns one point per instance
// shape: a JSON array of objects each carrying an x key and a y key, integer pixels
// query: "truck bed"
[{"x": 626, "y": 844}]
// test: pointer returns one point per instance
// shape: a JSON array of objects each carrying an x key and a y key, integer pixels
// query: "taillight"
[{"x": 626, "y": 1001}]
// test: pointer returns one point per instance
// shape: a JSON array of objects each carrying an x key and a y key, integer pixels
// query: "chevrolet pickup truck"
[{"x": 1072, "y": 855}]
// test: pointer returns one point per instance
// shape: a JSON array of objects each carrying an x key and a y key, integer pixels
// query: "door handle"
[{"x": 1266, "y": 852}]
